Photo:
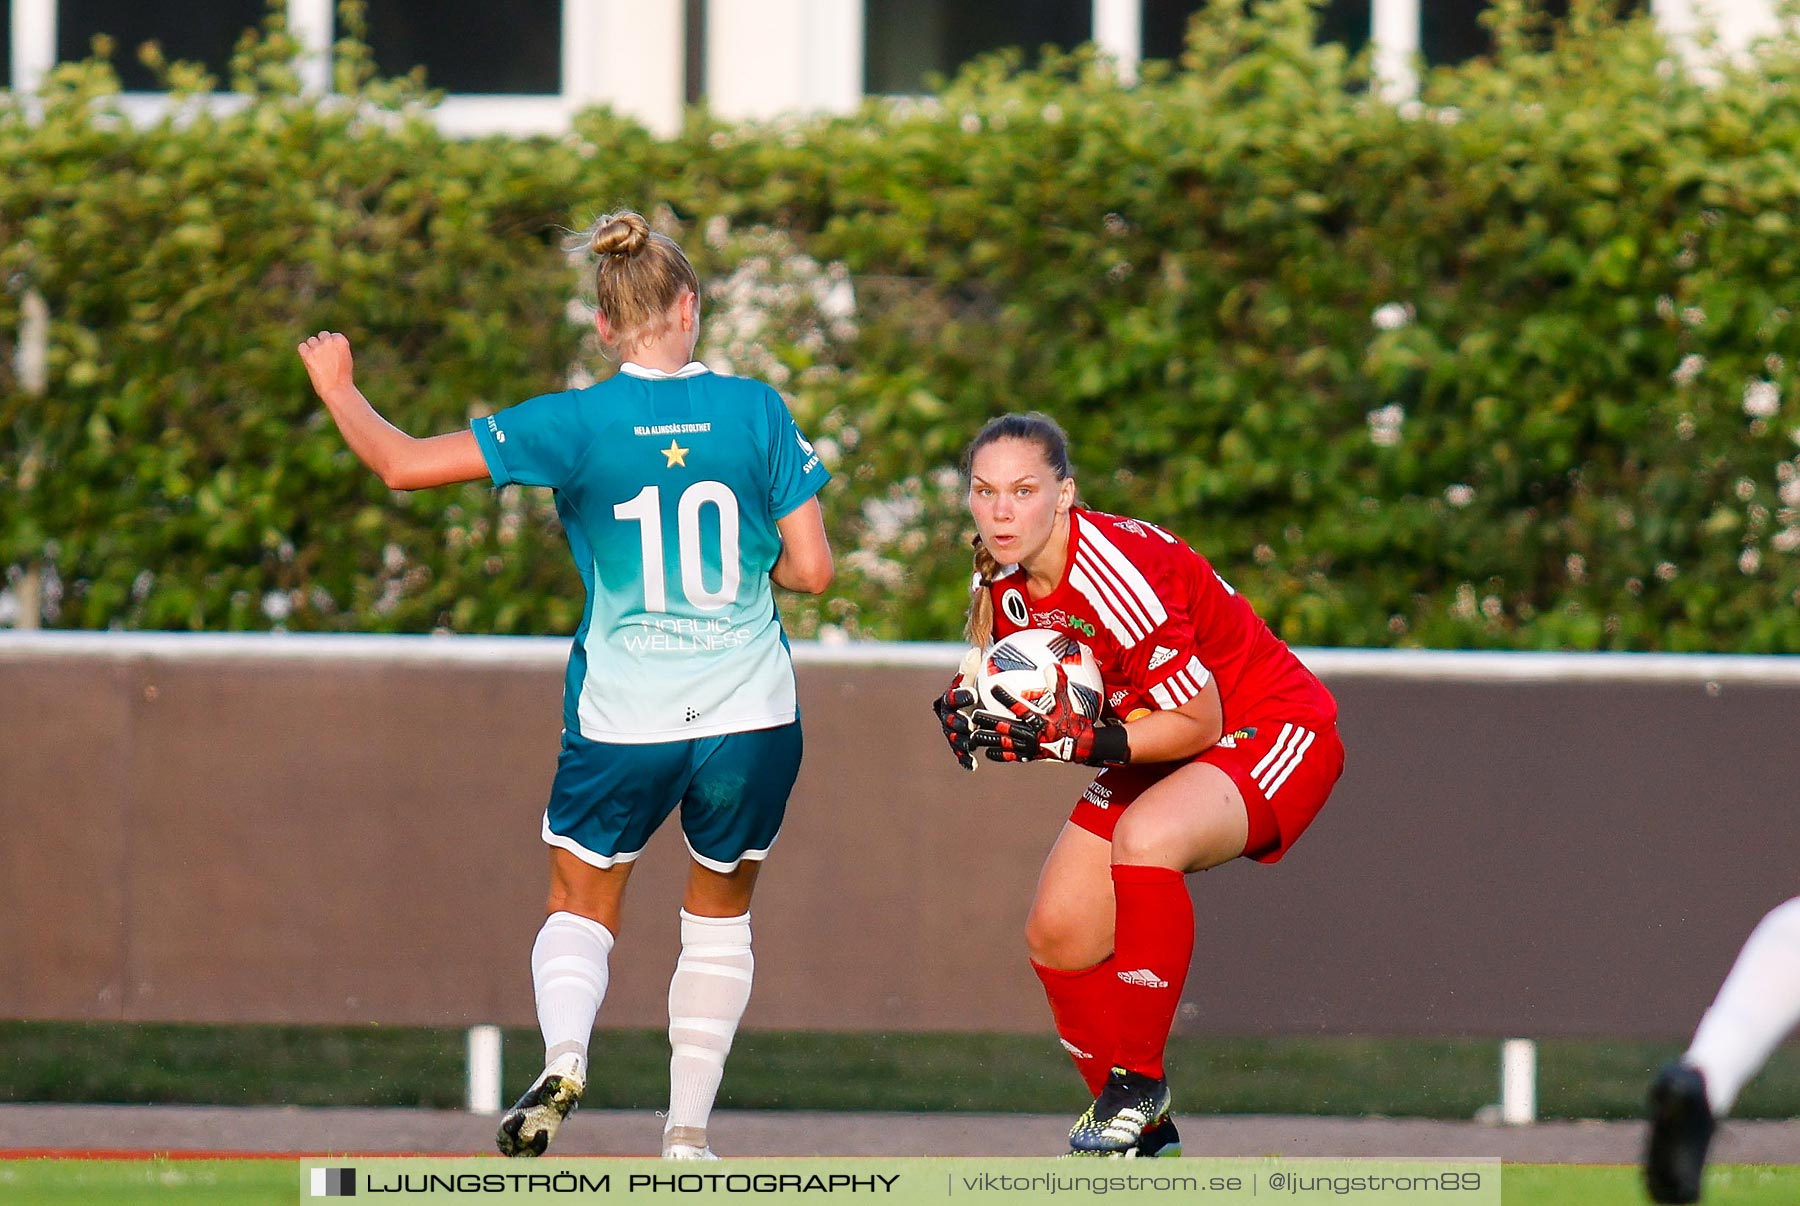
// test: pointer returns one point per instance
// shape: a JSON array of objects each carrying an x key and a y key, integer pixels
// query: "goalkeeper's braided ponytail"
[{"x": 980, "y": 629}]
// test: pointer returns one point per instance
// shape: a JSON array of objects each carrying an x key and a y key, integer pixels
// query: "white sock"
[
  {"x": 707, "y": 996},
  {"x": 568, "y": 969},
  {"x": 1757, "y": 1006}
]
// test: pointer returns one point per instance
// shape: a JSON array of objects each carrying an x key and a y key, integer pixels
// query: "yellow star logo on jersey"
[{"x": 677, "y": 454}]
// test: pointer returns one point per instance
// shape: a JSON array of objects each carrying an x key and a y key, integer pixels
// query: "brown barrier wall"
[{"x": 345, "y": 840}]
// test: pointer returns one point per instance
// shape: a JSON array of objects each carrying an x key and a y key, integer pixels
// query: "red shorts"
[{"x": 1284, "y": 770}]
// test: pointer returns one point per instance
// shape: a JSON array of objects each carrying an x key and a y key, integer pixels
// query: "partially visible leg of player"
[
  {"x": 707, "y": 996},
  {"x": 1191, "y": 819},
  {"x": 1069, "y": 934},
  {"x": 731, "y": 814},
  {"x": 569, "y": 974},
  {"x": 1757, "y": 1007}
]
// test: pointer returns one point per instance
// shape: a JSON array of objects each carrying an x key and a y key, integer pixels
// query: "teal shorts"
[{"x": 732, "y": 789}]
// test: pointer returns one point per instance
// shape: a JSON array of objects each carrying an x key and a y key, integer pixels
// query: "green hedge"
[{"x": 1513, "y": 367}]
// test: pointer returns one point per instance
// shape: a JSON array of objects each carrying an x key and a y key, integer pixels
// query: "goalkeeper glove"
[
  {"x": 954, "y": 708},
  {"x": 1060, "y": 733}
]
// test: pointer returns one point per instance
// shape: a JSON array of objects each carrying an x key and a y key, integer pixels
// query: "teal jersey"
[{"x": 669, "y": 487}]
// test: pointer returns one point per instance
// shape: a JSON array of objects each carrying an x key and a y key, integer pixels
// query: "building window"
[
  {"x": 1451, "y": 31},
  {"x": 471, "y": 46},
  {"x": 198, "y": 32},
  {"x": 908, "y": 40},
  {"x": 1166, "y": 22}
]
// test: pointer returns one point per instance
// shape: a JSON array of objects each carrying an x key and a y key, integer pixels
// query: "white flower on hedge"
[
  {"x": 1762, "y": 399},
  {"x": 1576, "y": 564},
  {"x": 1666, "y": 571},
  {"x": 1392, "y": 316},
  {"x": 1693, "y": 316},
  {"x": 1787, "y": 540},
  {"x": 1749, "y": 561},
  {"x": 1459, "y": 495},
  {"x": 1691, "y": 366},
  {"x": 1790, "y": 491},
  {"x": 1665, "y": 306},
  {"x": 277, "y": 606},
  {"x": 1385, "y": 424}
]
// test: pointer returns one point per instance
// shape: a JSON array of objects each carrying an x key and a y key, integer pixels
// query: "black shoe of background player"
[{"x": 1681, "y": 1128}]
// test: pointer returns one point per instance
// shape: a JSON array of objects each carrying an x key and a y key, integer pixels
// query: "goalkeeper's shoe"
[
  {"x": 1125, "y": 1109},
  {"x": 528, "y": 1128},
  {"x": 1160, "y": 1138},
  {"x": 1681, "y": 1128}
]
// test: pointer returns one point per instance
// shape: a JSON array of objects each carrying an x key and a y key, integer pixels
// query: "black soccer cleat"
[
  {"x": 528, "y": 1128},
  {"x": 1681, "y": 1128},
  {"x": 1127, "y": 1107}
]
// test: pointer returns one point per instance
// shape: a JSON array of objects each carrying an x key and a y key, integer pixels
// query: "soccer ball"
[{"x": 1025, "y": 664}]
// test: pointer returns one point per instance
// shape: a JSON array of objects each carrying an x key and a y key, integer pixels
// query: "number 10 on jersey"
[{"x": 645, "y": 510}]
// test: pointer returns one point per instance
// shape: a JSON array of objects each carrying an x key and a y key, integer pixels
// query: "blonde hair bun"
[{"x": 625, "y": 234}]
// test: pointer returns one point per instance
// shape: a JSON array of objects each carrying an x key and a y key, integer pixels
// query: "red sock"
[
  {"x": 1153, "y": 943},
  {"x": 1081, "y": 1005}
]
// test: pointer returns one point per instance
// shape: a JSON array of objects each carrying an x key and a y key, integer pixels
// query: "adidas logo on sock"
[{"x": 1143, "y": 977}]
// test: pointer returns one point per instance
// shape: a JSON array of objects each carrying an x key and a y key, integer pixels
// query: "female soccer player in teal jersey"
[{"x": 685, "y": 494}]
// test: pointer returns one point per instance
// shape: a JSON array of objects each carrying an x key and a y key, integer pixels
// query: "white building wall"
[
  {"x": 767, "y": 57},
  {"x": 629, "y": 54},
  {"x": 1738, "y": 22}
]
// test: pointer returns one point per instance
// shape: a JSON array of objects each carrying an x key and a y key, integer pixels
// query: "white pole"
[
  {"x": 484, "y": 1069},
  {"x": 1518, "y": 1082},
  {"x": 1394, "y": 28},
  {"x": 33, "y": 43},
  {"x": 1119, "y": 33},
  {"x": 312, "y": 24}
]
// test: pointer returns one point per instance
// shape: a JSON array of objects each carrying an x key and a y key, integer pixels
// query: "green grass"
[
  {"x": 1591, "y": 1185},
  {"x": 388, "y": 1066},
  {"x": 235, "y": 1182}
]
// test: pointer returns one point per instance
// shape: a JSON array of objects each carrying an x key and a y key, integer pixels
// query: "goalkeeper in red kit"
[{"x": 1216, "y": 743}]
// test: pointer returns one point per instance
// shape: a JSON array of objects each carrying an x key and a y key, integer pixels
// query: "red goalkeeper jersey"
[{"x": 1162, "y": 624}]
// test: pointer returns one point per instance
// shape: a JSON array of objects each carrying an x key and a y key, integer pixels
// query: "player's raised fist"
[{"x": 328, "y": 362}]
